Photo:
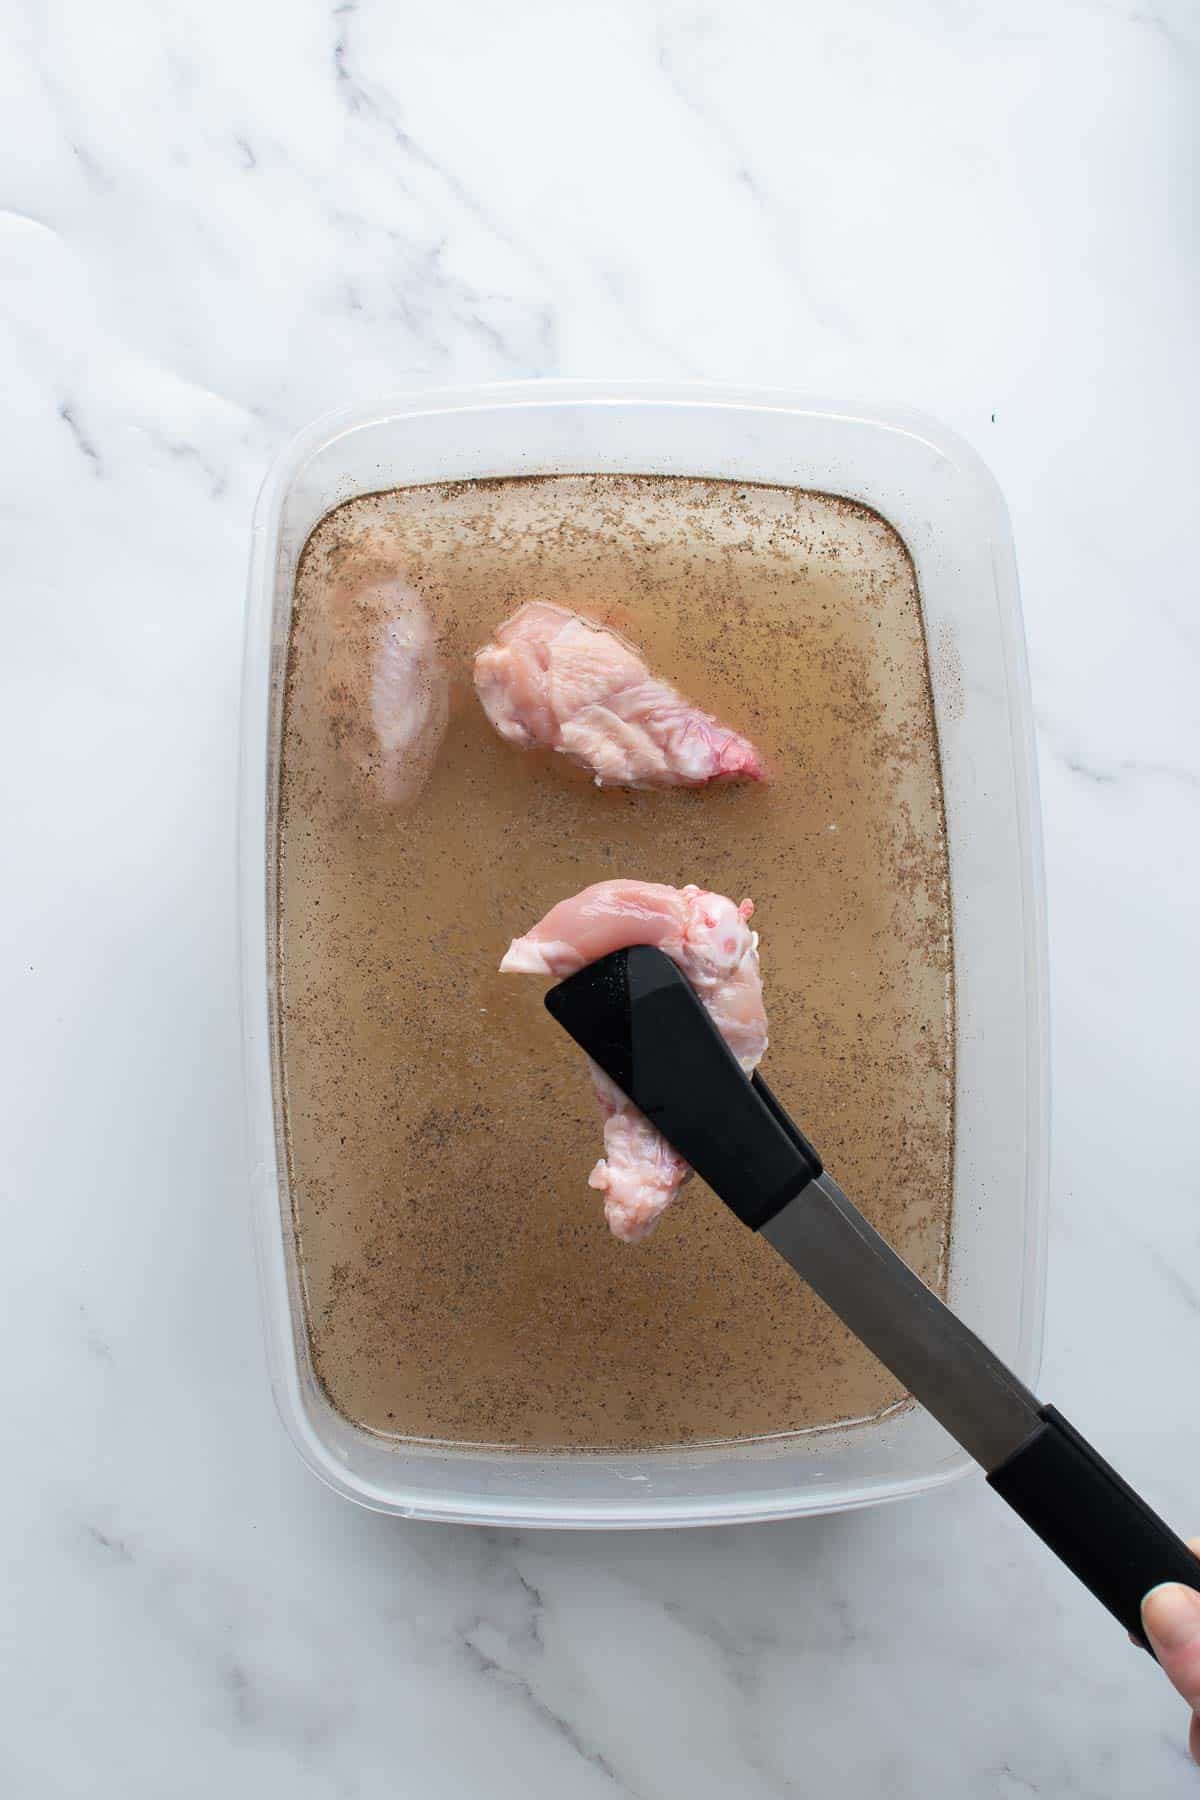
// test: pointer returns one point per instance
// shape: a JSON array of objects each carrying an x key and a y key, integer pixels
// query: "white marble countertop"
[{"x": 223, "y": 218}]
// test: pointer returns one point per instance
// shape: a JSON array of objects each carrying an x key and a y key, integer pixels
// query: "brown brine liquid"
[{"x": 459, "y": 1281}]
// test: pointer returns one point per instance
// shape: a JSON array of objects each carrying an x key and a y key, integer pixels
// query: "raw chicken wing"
[
  {"x": 710, "y": 939},
  {"x": 385, "y": 687},
  {"x": 552, "y": 680}
]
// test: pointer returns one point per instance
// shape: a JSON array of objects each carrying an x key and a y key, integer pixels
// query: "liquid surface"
[{"x": 460, "y": 1283}]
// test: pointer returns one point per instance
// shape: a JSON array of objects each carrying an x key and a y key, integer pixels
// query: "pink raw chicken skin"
[
  {"x": 709, "y": 937},
  {"x": 553, "y": 680}
]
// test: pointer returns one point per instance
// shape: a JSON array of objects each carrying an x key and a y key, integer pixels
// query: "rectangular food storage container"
[{"x": 949, "y": 512}]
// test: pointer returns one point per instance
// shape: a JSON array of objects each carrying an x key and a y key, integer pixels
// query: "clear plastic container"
[{"x": 947, "y": 508}]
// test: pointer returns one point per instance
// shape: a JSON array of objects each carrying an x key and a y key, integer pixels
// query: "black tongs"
[{"x": 636, "y": 1015}]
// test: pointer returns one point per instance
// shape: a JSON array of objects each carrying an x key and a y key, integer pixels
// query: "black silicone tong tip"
[
  {"x": 593, "y": 1008},
  {"x": 640, "y": 1019}
]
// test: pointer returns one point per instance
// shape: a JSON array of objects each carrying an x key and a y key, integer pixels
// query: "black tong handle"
[{"x": 1092, "y": 1520}]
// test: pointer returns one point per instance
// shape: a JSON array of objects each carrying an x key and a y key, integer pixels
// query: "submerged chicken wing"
[
  {"x": 555, "y": 681},
  {"x": 710, "y": 939},
  {"x": 385, "y": 687}
]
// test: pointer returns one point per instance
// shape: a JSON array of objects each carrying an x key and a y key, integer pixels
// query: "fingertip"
[{"x": 1171, "y": 1616}]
